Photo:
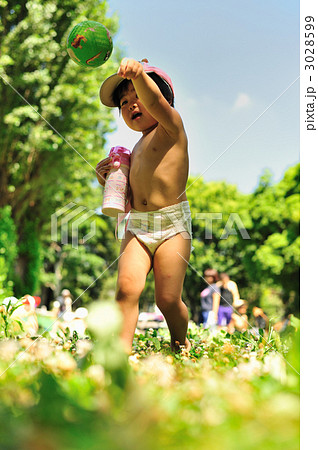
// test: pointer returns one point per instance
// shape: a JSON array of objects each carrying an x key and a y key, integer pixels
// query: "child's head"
[
  {"x": 224, "y": 277},
  {"x": 257, "y": 311},
  {"x": 122, "y": 88},
  {"x": 115, "y": 86},
  {"x": 211, "y": 275},
  {"x": 242, "y": 309}
]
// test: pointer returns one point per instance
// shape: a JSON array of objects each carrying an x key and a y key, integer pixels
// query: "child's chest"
[{"x": 148, "y": 153}]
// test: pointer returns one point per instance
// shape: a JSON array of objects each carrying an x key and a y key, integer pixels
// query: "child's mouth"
[{"x": 136, "y": 115}]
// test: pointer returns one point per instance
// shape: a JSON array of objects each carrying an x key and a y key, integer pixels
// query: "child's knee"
[
  {"x": 129, "y": 286},
  {"x": 168, "y": 301}
]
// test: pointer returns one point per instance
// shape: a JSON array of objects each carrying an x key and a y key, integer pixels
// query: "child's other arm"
[
  {"x": 234, "y": 289},
  {"x": 102, "y": 170},
  {"x": 151, "y": 97}
]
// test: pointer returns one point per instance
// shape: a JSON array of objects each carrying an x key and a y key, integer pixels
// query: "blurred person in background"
[
  {"x": 229, "y": 294},
  {"x": 210, "y": 299},
  {"x": 78, "y": 322},
  {"x": 65, "y": 300},
  {"x": 261, "y": 320},
  {"x": 282, "y": 324},
  {"x": 239, "y": 321},
  {"x": 56, "y": 308},
  {"x": 73, "y": 321},
  {"x": 26, "y": 313}
]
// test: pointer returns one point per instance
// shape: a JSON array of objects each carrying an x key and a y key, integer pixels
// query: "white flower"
[
  {"x": 83, "y": 346},
  {"x": 156, "y": 366},
  {"x": 41, "y": 349},
  {"x": 66, "y": 362},
  {"x": 8, "y": 349},
  {"x": 104, "y": 319},
  {"x": 62, "y": 361},
  {"x": 81, "y": 313},
  {"x": 13, "y": 300},
  {"x": 133, "y": 360},
  {"x": 275, "y": 366},
  {"x": 247, "y": 370},
  {"x": 97, "y": 374},
  {"x": 26, "y": 357},
  {"x": 192, "y": 326}
]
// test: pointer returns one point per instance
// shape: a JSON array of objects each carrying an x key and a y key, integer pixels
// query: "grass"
[{"x": 229, "y": 392}]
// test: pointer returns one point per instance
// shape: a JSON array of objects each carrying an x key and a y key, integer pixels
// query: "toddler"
[{"x": 158, "y": 234}]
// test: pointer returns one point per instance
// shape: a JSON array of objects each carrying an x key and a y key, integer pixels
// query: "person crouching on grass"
[{"x": 158, "y": 175}]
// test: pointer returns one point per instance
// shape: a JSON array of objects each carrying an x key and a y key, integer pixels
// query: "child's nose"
[{"x": 132, "y": 105}]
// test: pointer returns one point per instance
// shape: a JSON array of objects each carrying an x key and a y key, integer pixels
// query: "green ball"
[{"x": 89, "y": 44}]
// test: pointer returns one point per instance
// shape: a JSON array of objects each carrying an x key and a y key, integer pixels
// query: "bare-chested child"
[{"x": 158, "y": 176}]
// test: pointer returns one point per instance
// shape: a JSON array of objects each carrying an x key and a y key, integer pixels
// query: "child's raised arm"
[{"x": 150, "y": 96}]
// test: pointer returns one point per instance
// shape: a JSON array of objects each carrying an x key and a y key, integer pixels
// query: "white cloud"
[{"x": 242, "y": 101}]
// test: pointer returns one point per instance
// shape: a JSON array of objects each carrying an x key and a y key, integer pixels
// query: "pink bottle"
[{"x": 116, "y": 185}]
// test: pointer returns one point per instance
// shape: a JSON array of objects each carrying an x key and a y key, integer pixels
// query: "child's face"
[
  {"x": 242, "y": 309},
  {"x": 134, "y": 113}
]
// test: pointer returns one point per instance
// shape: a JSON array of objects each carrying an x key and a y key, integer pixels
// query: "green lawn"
[{"x": 230, "y": 392}]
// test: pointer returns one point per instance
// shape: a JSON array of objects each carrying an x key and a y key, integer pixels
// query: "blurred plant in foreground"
[
  {"x": 9, "y": 325},
  {"x": 237, "y": 391}
]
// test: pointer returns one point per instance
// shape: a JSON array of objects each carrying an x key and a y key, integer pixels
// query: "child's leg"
[
  {"x": 133, "y": 267},
  {"x": 169, "y": 272}
]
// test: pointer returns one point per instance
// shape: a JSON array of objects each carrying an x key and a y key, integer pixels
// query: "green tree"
[
  {"x": 52, "y": 125},
  {"x": 87, "y": 269},
  {"x": 255, "y": 238},
  {"x": 28, "y": 263},
  {"x": 219, "y": 219},
  {"x": 8, "y": 251},
  {"x": 271, "y": 257}
]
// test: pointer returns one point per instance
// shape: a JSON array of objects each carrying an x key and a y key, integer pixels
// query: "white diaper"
[{"x": 152, "y": 228}]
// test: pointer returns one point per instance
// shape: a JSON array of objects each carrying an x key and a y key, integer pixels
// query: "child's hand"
[
  {"x": 102, "y": 170},
  {"x": 130, "y": 69}
]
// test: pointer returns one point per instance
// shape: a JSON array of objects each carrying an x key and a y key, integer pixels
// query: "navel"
[{"x": 144, "y": 202}]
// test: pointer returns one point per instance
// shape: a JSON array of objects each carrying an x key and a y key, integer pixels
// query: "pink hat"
[{"x": 110, "y": 84}]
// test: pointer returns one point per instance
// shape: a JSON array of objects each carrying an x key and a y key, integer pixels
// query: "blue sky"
[{"x": 228, "y": 61}]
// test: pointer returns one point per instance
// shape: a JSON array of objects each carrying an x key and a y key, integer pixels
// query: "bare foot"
[{"x": 177, "y": 347}]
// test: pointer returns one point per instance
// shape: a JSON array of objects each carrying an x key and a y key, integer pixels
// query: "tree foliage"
[
  {"x": 255, "y": 238},
  {"x": 219, "y": 211},
  {"x": 88, "y": 269},
  {"x": 8, "y": 251},
  {"x": 52, "y": 125},
  {"x": 52, "y": 134},
  {"x": 271, "y": 257}
]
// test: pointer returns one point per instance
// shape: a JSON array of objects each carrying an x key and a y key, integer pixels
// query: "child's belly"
[
  {"x": 158, "y": 179},
  {"x": 152, "y": 191}
]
